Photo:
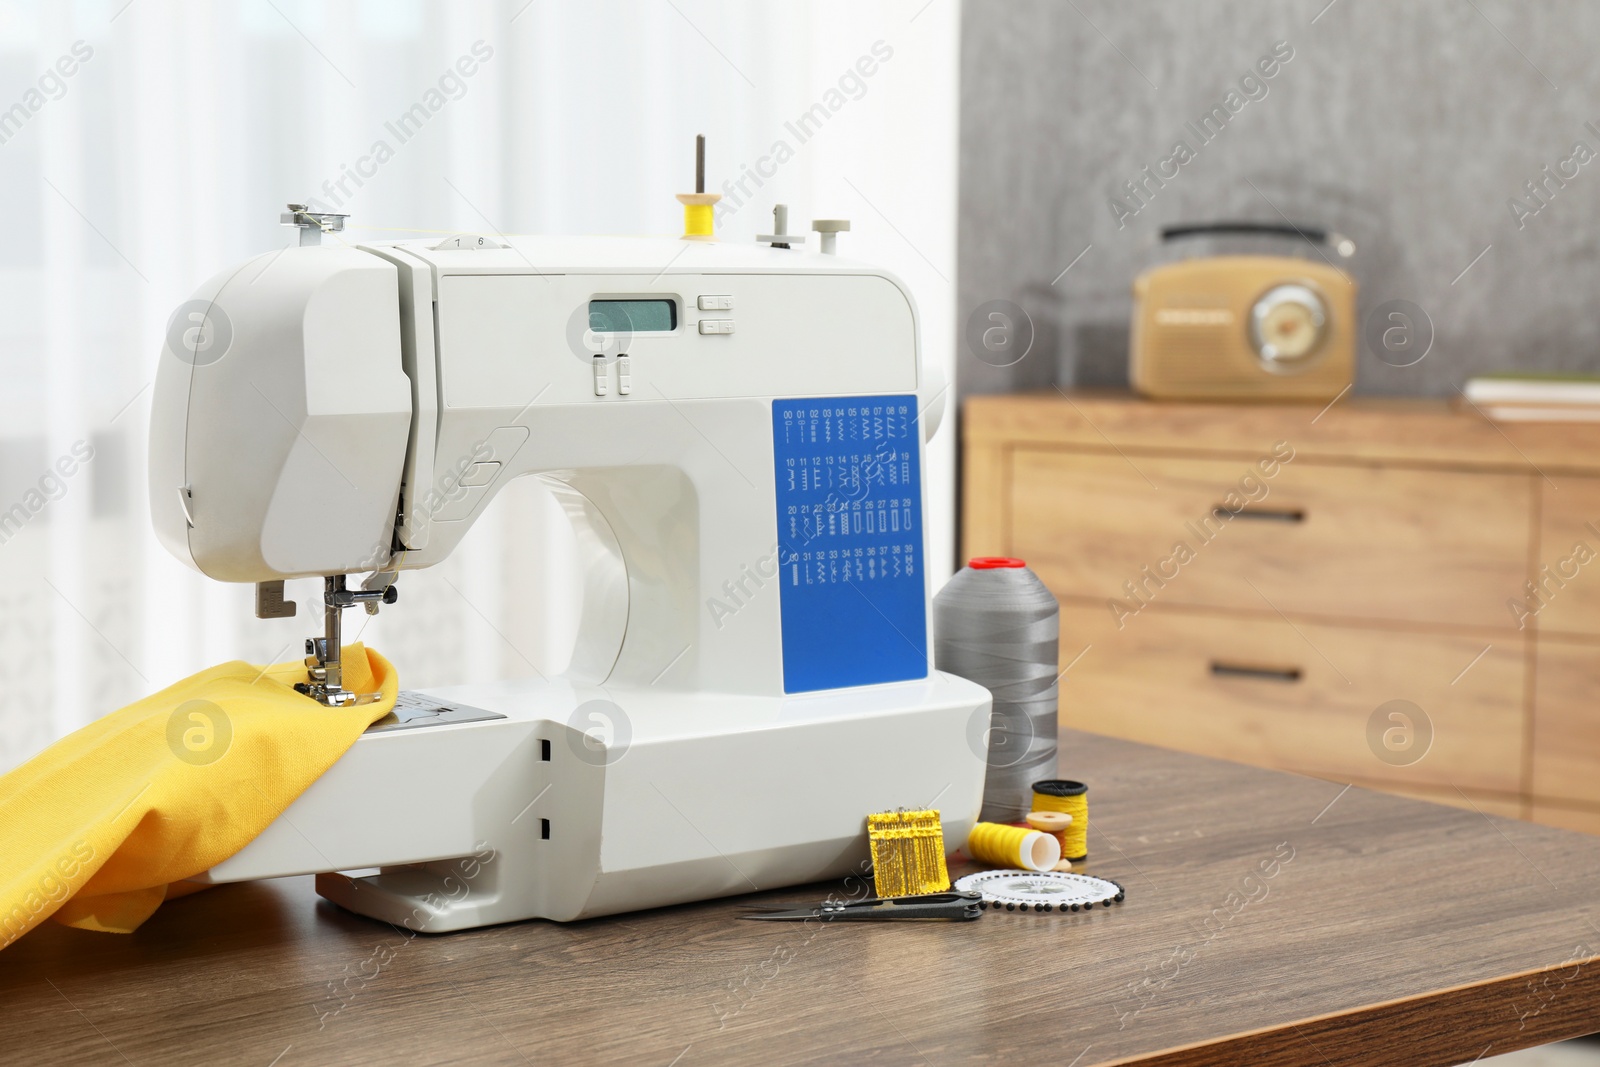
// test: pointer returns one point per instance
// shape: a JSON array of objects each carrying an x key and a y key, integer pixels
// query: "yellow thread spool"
[
  {"x": 698, "y": 215},
  {"x": 1013, "y": 846},
  {"x": 907, "y": 853},
  {"x": 1059, "y": 794}
]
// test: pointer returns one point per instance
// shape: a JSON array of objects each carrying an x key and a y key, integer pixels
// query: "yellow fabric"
[{"x": 98, "y": 827}]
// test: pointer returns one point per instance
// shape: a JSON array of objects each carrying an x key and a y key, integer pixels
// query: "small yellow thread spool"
[
  {"x": 1013, "y": 846},
  {"x": 698, "y": 215},
  {"x": 907, "y": 853},
  {"x": 1058, "y": 794}
]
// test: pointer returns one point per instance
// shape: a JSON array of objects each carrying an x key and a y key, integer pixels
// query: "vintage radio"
[{"x": 1245, "y": 327}]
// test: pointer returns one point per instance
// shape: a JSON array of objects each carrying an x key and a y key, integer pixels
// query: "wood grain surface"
[
  {"x": 1370, "y": 430},
  {"x": 1179, "y": 678},
  {"x": 1270, "y": 919},
  {"x": 1422, "y": 546},
  {"x": 1566, "y": 740},
  {"x": 1567, "y": 580}
]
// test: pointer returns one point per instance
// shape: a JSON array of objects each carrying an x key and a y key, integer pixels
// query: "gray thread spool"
[{"x": 996, "y": 624}]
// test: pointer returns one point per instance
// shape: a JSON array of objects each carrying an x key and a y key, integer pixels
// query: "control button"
[
  {"x": 716, "y": 325},
  {"x": 716, "y": 303},
  {"x": 480, "y": 473},
  {"x": 624, "y": 375},
  {"x": 601, "y": 384}
]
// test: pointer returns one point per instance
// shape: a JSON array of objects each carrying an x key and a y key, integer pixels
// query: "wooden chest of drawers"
[{"x": 1392, "y": 593}]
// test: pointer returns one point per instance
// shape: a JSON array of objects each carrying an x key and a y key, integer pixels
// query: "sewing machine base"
[{"x": 586, "y": 801}]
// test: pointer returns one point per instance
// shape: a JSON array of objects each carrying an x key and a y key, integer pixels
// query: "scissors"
[{"x": 952, "y": 905}]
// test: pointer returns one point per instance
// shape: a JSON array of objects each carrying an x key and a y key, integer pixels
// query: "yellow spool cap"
[
  {"x": 1013, "y": 846},
  {"x": 698, "y": 217},
  {"x": 1072, "y": 798}
]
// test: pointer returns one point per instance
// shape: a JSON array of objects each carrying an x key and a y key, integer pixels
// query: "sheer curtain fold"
[{"x": 167, "y": 154}]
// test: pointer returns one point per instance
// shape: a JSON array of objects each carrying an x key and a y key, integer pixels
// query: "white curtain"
[{"x": 145, "y": 145}]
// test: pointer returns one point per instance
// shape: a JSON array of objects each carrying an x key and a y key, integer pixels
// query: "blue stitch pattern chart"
[{"x": 849, "y": 496}]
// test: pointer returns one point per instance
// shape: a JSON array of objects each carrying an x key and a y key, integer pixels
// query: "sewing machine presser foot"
[{"x": 324, "y": 666}]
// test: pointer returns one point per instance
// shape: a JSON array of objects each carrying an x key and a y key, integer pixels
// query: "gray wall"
[{"x": 1406, "y": 126}]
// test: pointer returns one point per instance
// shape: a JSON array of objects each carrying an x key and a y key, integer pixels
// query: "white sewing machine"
[{"x": 736, "y": 434}]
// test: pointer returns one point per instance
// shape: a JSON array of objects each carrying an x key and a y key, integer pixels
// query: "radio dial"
[{"x": 1287, "y": 326}]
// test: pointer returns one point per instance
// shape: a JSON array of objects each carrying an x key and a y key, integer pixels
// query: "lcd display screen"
[{"x": 633, "y": 316}]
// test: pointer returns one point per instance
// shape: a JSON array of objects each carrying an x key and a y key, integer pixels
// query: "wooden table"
[{"x": 1270, "y": 919}]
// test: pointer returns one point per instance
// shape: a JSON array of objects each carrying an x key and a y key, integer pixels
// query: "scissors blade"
[
  {"x": 785, "y": 916},
  {"x": 948, "y": 905}
]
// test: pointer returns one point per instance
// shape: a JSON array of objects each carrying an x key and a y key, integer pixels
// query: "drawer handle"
[
  {"x": 1261, "y": 514},
  {"x": 1267, "y": 674}
]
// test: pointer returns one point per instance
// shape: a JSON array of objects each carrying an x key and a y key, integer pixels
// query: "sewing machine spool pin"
[
  {"x": 780, "y": 237},
  {"x": 324, "y": 655}
]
